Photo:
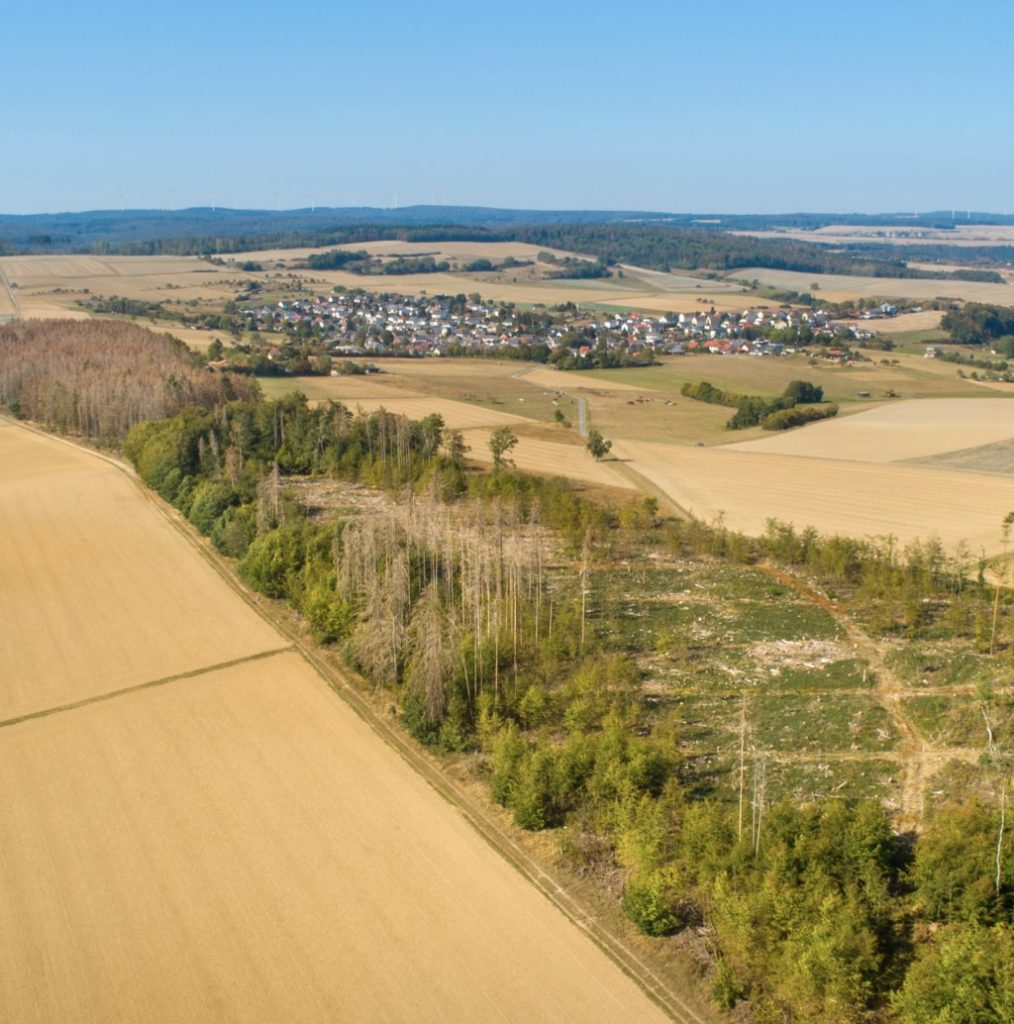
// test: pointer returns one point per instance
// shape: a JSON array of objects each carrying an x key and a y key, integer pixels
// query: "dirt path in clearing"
[{"x": 920, "y": 759}]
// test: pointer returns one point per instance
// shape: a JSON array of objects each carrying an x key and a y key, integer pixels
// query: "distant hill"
[
  {"x": 652, "y": 239},
  {"x": 56, "y": 232}
]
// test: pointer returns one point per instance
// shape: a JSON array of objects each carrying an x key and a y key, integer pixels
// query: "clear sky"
[{"x": 725, "y": 106}]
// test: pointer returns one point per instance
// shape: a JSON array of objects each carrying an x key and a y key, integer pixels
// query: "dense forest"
[
  {"x": 99, "y": 378},
  {"x": 978, "y": 323},
  {"x": 67, "y": 231}
]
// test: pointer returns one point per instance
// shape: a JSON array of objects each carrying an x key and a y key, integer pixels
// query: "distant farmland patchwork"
[
  {"x": 225, "y": 840},
  {"x": 851, "y": 475}
]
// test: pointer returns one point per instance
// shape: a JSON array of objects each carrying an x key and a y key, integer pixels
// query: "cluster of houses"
[{"x": 360, "y": 323}]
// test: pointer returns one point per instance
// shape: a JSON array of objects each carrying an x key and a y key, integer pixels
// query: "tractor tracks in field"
[
  {"x": 149, "y": 684},
  {"x": 5, "y": 286}
]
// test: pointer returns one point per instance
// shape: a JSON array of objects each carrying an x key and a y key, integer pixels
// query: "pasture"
[
  {"x": 503, "y": 389},
  {"x": 234, "y": 844}
]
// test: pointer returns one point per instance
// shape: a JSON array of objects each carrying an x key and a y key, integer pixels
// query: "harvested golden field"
[
  {"x": 48, "y": 285},
  {"x": 840, "y": 287},
  {"x": 337, "y": 389},
  {"x": 551, "y": 458},
  {"x": 927, "y": 320},
  {"x": 97, "y": 592},
  {"x": 960, "y": 234},
  {"x": 835, "y": 496},
  {"x": 8, "y": 307},
  {"x": 367, "y": 395},
  {"x": 239, "y": 846},
  {"x": 498, "y": 391},
  {"x": 988, "y": 458},
  {"x": 464, "y": 251},
  {"x": 234, "y": 843},
  {"x": 456, "y": 415},
  {"x": 890, "y": 433},
  {"x": 572, "y": 381}
]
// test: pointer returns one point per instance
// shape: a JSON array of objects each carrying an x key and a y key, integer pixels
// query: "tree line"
[
  {"x": 980, "y": 323},
  {"x": 780, "y": 413}
]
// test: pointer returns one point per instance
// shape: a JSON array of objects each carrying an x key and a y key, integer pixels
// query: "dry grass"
[
  {"x": 456, "y": 415},
  {"x": 367, "y": 395},
  {"x": 551, "y": 458},
  {"x": 502, "y": 389},
  {"x": 852, "y": 498},
  {"x": 927, "y": 320},
  {"x": 337, "y": 389},
  {"x": 890, "y": 433},
  {"x": 235, "y": 845},
  {"x": 573, "y": 381},
  {"x": 96, "y": 592}
]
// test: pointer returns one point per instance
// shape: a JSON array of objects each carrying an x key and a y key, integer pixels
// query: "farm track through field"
[
  {"x": 99, "y": 698},
  {"x": 6, "y": 287},
  {"x": 920, "y": 759},
  {"x": 679, "y": 1008}
]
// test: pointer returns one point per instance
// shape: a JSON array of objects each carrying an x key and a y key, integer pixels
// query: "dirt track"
[{"x": 235, "y": 844}]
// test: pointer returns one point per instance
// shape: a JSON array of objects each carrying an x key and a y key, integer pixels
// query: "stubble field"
[
  {"x": 891, "y": 433},
  {"x": 52, "y": 286},
  {"x": 880, "y": 469},
  {"x": 95, "y": 594},
  {"x": 960, "y": 234},
  {"x": 234, "y": 844},
  {"x": 842, "y": 287},
  {"x": 852, "y": 498}
]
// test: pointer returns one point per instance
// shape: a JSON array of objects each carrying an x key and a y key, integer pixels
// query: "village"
[{"x": 360, "y": 323}]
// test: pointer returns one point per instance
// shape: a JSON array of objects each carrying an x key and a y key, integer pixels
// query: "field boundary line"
[
  {"x": 337, "y": 681},
  {"x": 646, "y": 486},
  {"x": 15, "y": 305},
  {"x": 149, "y": 684}
]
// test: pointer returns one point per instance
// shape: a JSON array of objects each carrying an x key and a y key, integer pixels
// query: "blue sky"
[{"x": 728, "y": 107}]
